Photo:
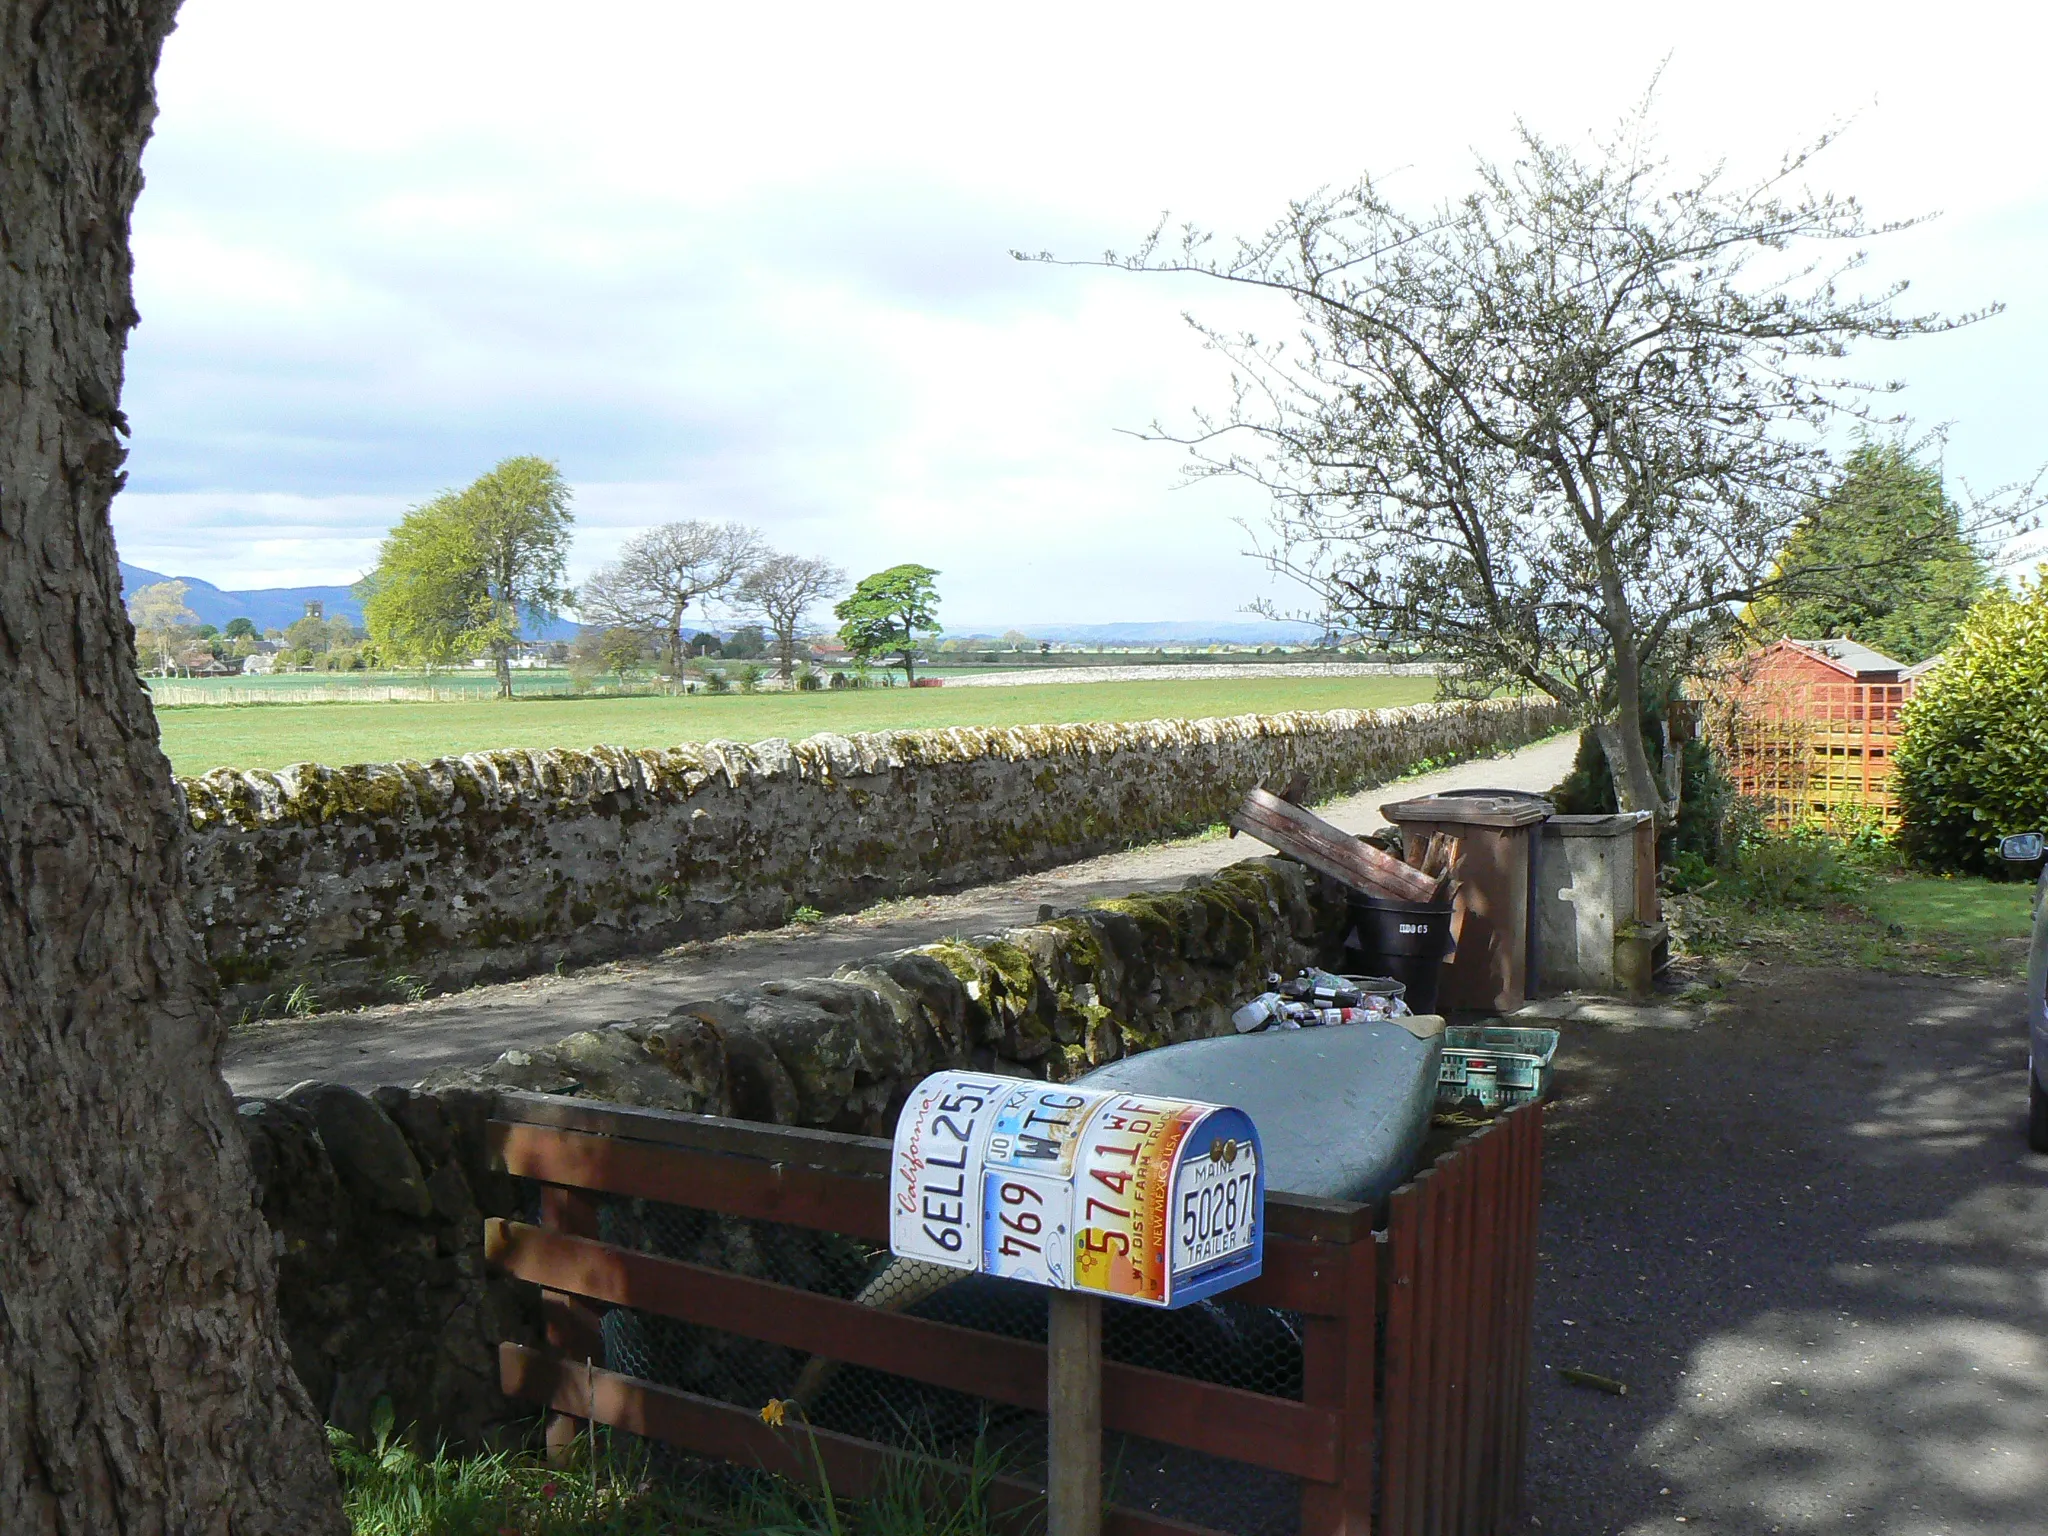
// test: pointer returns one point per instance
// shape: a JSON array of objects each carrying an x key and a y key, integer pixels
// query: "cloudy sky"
[{"x": 752, "y": 261}]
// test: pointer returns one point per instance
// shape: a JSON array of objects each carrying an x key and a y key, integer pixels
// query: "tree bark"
[
  {"x": 1635, "y": 781},
  {"x": 144, "y": 1382}
]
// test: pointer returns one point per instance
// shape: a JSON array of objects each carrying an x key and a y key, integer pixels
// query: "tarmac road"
[{"x": 1810, "y": 1238}]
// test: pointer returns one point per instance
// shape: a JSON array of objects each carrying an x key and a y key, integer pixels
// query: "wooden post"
[
  {"x": 572, "y": 1325},
  {"x": 1073, "y": 1493}
]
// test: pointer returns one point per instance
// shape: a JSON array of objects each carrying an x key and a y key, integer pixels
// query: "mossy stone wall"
[
  {"x": 377, "y": 1201},
  {"x": 364, "y": 883}
]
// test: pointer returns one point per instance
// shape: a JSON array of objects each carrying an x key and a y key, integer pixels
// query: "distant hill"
[
  {"x": 277, "y": 607},
  {"x": 1170, "y": 632}
]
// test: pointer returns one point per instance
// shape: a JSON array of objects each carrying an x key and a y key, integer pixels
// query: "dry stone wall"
[
  {"x": 366, "y": 882},
  {"x": 377, "y": 1201}
]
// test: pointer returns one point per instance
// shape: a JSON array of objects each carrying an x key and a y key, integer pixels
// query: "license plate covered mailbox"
[{"x": 1146, "y": 1199}]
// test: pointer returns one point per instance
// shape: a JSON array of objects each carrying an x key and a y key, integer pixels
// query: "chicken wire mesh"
[{"x": 1234, "y": 1344}]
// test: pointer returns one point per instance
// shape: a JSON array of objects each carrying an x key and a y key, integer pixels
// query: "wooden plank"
[
  {"x": 1337, "y": 1373},
  {"x": 1329, "y": 850},
  {"x": 833, "y": 1151},
  {"x": 712, "y": 1181},
  {"x": 1303, "y": 1216},
  {"x": 1396, "y": 1414},
  {"x": 1422, "y": 1403},
  {"x": 570, "y": 1327},
  {"x": 1303, "y": 1277},
  {"x": 1317, "y": 1220},
  {"x": 1442, "y": 1325},
  {"x": 857, "y": 1468},
  {"x": 1483, "y": 1418},
  {"x": 1199, "y": 1416},
  {"x": 1073, "y": 1470},
  {"x": 1525, "y": 1319},
  {"x": 1522, "y": 1237}
]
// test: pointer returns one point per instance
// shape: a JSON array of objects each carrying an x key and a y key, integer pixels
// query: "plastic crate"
[{"x": 1495, "y": 1063}]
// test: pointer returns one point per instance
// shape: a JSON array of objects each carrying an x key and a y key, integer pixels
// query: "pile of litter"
[{"x": 1316, "y": 998}]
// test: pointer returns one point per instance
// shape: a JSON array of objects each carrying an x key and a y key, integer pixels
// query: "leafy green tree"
[
  {"x": 1555, "y": 430},
  {"x": 240, "y": 629},
  {"x": 886, "y": 612},
  {"x": 458, "y": 576},
  {"x": 159, "y": 615},
  {"x": 309, "y": 634},
  {"x": 1974, "y": 762},
  {"x": 1882, "y": 559},
  {"x": 617, "y": 650}
]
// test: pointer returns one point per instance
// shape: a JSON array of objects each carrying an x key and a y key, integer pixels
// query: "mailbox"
[{"x": 1144, "y": 1198}]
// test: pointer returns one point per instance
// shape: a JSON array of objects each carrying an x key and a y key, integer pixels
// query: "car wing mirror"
[{"x": 2022, "y": 848}]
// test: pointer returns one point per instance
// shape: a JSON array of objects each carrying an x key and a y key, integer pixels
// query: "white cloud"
[{"x": 751, "y": 262}]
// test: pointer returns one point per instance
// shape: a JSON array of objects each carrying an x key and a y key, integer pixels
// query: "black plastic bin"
[{"x": 1402, "y": 940}]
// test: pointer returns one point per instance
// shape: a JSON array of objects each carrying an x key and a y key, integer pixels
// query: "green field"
[{"x": 203, "y": 736}]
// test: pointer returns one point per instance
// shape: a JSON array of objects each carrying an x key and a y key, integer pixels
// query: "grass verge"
[
  {"x": 1822, "y": 906},
  {"x": 391, "y": 1489}
]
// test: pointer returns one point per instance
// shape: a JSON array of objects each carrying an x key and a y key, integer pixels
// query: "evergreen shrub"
[{"x": 1973, "y": 764}]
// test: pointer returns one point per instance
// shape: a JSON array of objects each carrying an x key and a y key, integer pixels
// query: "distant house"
[
  {"x": 261, "y": 664},
  {"x": 1814, "y": 725}
]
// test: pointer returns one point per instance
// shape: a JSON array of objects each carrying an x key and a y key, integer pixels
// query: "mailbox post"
[{"x": 1091, "y": 1193}]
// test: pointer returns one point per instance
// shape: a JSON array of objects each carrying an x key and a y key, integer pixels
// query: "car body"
[{"x": 2029, "y": 848}]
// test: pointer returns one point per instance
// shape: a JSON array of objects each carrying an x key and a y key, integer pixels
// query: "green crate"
[{"x": 1495, "y": 1063}]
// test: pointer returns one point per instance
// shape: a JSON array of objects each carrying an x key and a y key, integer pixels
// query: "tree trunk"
[
  {"x": 504, "y": 655},
  {"x": 144, "y": 1382},
  {"x": 909, "y": 667},
  {"x": 1635, "y": 781}
]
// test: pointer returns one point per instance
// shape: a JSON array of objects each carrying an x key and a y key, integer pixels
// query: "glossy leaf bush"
[{"x": 1974, "y": 762}]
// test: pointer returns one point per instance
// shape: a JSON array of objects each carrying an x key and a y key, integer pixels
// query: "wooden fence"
[
  {"x": 1414, "y": 1339},
  {"x": 1812, "y": 750}
]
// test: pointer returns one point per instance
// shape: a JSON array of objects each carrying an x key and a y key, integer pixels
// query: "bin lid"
[
  {"x": 1494, "y": 808},
  {"x": 1615, "y": 824}
]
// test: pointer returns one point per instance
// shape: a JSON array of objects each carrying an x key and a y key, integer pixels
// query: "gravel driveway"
[{"x": 1809, "y": 1236}]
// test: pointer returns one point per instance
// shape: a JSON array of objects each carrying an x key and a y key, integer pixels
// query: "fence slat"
[
  {"x": 1304, "y": 1217},
  {"x": 1289, "y": 1437},
  {"x": 1397, "y": 1409},
  {"x": 1526, "y": 1144},
  {"x": 1482, "y": 1405},
  {"x": 1525, "y": 1300},
  {"x": 1337, "y": 1374},
  {"x": 711, "y": 1181},
  {"x": 570, "y": 1326}
]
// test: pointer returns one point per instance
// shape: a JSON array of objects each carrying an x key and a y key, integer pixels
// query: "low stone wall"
[
  {"x": 378, "y": 1201},
  {"x": 368, "y": 883}
]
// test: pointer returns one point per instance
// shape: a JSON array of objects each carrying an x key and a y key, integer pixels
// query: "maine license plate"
[{"x": 1217, "y": 1213}]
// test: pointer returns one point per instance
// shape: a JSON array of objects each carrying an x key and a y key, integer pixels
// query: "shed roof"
[{"x": 1851, "y": 658}]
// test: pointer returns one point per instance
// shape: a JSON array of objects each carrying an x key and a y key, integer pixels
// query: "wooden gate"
[{"x": 1412, "y": 1406}]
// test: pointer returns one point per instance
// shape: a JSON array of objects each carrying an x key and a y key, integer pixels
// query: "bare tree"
[
  {"x": 144, "y": 1381},
  {"x": 782, "y": 589},
  {"x": 660, "y": 574},
  {"x": 1556, "y": 430}
]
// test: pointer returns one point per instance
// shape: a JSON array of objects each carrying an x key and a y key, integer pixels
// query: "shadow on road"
[{"x": 1811, "y": 1239}]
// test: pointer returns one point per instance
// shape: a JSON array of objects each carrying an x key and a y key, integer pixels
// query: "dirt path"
[{"x": 401, "y": 1044}]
